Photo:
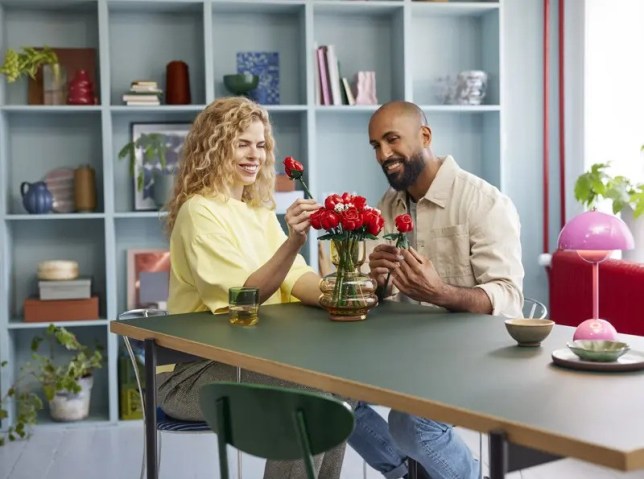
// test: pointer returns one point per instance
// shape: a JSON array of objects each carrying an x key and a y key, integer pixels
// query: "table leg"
[
  {"x": 412, "y": 467},
  {"x": 498, "y": 455},
  {"x": 151, "y": 408}
]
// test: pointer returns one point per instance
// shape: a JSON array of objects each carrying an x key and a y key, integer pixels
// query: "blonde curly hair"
[{"x": 206, "y": 165}]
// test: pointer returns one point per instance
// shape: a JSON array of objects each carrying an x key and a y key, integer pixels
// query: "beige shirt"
[{"x": 471, "y": 233}]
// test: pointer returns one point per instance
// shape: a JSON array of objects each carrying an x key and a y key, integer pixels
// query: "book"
[
  {"x": 334, "y": 75},
  {"x": 347, "y": 91},
  {"x": 324, "y": 78}
]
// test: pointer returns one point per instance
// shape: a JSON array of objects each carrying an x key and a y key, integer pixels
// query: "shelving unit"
[{"x": 407, "y": 43}]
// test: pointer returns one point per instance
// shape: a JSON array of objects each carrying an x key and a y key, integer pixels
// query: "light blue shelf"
[{"x": 18, "y": 323}]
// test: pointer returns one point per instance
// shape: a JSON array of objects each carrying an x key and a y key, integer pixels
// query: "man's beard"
[{"x": 401, "y": 181}]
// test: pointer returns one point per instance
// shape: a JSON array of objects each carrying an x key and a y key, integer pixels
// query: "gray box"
[{"x": 65, "y": 289}]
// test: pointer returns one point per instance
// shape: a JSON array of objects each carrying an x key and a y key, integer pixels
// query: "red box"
[{"x": 37, "y": 311}]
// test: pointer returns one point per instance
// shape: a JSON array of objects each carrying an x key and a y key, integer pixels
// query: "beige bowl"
[{"x": 529, "y": 332}]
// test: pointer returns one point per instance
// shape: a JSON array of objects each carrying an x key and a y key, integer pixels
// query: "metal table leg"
[
  {"x": 498, "y": 455},
  {"x": 151, "y": 408}
]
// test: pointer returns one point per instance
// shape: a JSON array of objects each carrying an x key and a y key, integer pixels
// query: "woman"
[{"x": 224, "y": 232}]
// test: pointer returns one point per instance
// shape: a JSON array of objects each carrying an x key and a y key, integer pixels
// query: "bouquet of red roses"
[{"x": 348, "y": 221}]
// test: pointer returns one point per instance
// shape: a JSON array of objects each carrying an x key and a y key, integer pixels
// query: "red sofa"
[{"x": 621, "y": 292}]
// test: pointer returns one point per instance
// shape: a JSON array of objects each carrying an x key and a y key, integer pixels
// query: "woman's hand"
[{"x": 297, "y": 219}]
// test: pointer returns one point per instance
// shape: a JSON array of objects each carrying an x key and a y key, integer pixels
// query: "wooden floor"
[{"x": 110, "y": 452}]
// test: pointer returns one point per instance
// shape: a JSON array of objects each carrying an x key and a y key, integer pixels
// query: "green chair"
[{"x": 274, "y": 423}]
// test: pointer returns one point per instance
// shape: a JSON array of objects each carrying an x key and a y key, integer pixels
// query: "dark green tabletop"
[{"x": 460, "y": 368}]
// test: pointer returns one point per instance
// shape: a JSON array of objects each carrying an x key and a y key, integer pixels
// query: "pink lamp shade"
[
  {"x": 597, "y": 231},
  {"x": 593, "y": 235}
]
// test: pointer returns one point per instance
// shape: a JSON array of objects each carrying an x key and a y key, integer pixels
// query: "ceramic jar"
[{"x": 36, "y": 198}]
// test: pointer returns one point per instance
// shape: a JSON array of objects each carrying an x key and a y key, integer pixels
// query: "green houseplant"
[
  {"x": 66, "y": 381},
  {"x": 26, "y": 62},
  {"x": 596, "y": 184},
  {"x": 153, "y": 148},
  {"x": 28, "y": 405},
  {"x": 62, "y": 381}
]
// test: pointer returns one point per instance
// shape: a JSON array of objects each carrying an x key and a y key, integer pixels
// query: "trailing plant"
[
  {"x": 28, "y": 404},
  {"x": 26, "y": 62},
  {"x": 596, "y": 184},
  {"x": 153, "y": 147}
]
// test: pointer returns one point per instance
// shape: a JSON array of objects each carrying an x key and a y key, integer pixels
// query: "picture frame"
[
  {"x": 148, "y": 273},
  {"x": 175, "y": 134}
]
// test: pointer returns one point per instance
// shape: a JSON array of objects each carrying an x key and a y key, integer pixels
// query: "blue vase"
[{"x": 36, "y": 198}]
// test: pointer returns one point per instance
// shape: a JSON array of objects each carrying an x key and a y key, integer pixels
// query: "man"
[{"x": 465, "y": 255}]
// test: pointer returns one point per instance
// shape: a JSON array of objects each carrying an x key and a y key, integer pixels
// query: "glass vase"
[
  {"x": 54, "y": 84},
  {"x": 348, "y": 294}
]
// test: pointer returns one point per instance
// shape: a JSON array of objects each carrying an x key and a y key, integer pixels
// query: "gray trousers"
[{"x": 178, "y": 396}]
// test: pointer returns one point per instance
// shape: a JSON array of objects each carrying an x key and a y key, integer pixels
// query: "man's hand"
[
  {"x": 298, "y": 219},
  {"x": 417, "y": 278},
  {"x": 383, "y": 259}
]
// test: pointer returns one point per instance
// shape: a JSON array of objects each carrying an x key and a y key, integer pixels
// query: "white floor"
[{"x": 110, "y": 452}]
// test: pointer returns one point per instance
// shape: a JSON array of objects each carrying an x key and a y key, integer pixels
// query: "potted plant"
[
  {"x": 26, "y": 62},
  {"x": 153, "y": 148},
  {"x": 67, "y": 384},
  {"x": 28, "y": 405},
  {"x": 626, "y": 198},
  {"x": 596, "y": 184}
]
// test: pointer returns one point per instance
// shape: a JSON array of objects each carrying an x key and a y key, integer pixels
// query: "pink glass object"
[
  {"x": 595, "y": 329},
  {"x": 593, "y": 235}
]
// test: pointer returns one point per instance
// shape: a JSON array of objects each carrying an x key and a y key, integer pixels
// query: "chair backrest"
[
  {"x": 534, "y": 309},
  {"x": 274, "y": 423}
]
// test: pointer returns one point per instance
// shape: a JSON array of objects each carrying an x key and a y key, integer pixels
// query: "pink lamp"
[{"x": 594, "y": 235}]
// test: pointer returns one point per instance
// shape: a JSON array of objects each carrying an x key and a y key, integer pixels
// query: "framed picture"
[
  {"x": 172, "y": 137},
  {"x": 148, "y": 276}
]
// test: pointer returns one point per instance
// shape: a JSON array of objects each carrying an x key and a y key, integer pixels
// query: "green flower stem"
[
  {"x": 400, "y": 242},
  {"x": 307, "y": 193}
]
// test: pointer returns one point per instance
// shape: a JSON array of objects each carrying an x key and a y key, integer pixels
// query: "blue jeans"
[
  {"x": 373, "y": 442},
  {"x": 434, "y": 445}
]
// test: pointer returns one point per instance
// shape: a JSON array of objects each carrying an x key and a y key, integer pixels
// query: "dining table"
[{"x": 460, "y": 368}]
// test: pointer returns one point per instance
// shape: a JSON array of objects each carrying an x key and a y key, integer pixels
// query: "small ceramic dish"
[
  {"x": 529, "y": 332},
  {"x": 599, "y": 350}
]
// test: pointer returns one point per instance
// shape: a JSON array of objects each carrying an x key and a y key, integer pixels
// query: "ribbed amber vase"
[{"x": 348, "y": 294}]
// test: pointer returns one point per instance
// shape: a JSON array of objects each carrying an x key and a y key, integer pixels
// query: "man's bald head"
[{"x": 401, "y": 109}]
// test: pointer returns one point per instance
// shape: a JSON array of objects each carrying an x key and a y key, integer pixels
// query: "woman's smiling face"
[{"x": 249, "y": 154}]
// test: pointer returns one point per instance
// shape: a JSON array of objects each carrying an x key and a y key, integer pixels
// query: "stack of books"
[
  {"x": 331, "y": 88},
  {"x": 143, "y": 92}
]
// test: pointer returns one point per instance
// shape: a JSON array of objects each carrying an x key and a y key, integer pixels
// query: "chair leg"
[
  {"x": 304, "y": 444},
  {"x": 222, "y": 436}
]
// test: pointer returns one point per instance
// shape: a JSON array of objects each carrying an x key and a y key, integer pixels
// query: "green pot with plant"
[
  {"x": 626, "y": 197},
  {"x": 153, "y": 149},
  {"x": 67, "y": 383}
]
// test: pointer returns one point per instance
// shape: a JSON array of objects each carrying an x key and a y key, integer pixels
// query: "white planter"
[
  {"x": 68, "y": 406},
  {"x": 637, "y": 228}
]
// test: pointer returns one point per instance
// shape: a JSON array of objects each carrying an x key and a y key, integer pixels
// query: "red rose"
[
  {"x": 373, "y": 221},
  {"x": 359, "y": 202},
  {"x": 351, "y": 219},
  {"x": 331, "y": 201},
  {"x": 347, "y": 198},
  {"x": 316, "y": 218},
  {"x": 293, "y": 168},
  {"x": 329, "y": 219},
  {"x": 404, "y": 223}
]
